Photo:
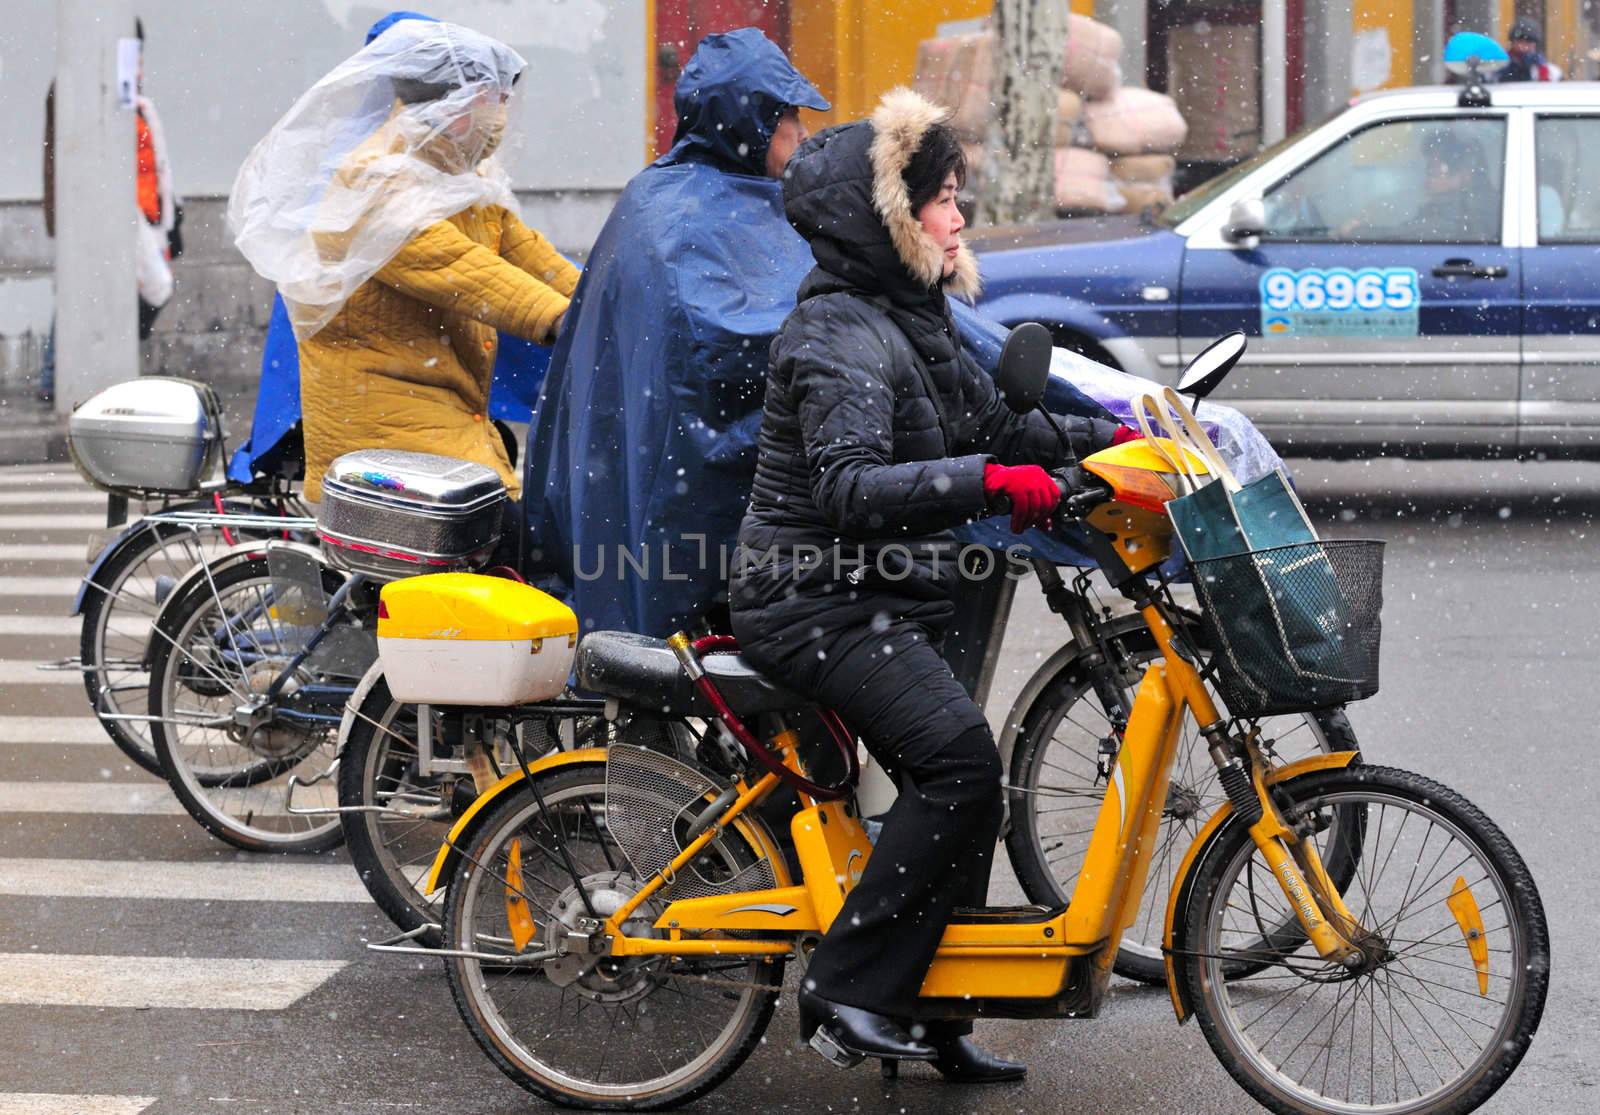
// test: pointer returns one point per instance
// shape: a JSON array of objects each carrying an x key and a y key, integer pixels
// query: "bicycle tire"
[
  {"x": 479, "y": 845},
  {"x": 134, "y": 551},
  {"x": 1525, "y": 973},
  {"x": 193, "y": 789},
  {"x": 384, "y": 876}
]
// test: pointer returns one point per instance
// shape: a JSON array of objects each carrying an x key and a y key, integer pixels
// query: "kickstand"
[{"x": 891, "y": 1070}]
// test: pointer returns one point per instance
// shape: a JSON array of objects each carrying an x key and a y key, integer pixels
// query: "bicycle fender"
[
  {"x": 357, "y": 699},
  {"x": 107, "y": 552},
  {"x": 1178, "y": 902},
  {"x": 242, "y": 552},
  {"x": 445, "y": 862}
]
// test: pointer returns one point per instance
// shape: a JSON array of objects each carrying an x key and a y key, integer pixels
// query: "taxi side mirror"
[{"x": 1247, "y": 220}]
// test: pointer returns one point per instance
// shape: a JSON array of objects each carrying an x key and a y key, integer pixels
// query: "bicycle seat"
[{"x": 644, "y": 672}]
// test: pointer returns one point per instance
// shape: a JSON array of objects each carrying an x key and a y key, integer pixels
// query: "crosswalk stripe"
[
  {"x": 237, "y": 881},
  {"x": 52, "y": 729},
  {"x": 50, "y": 1103},
  {"x": 39, "y": 586},
  {"x": 41, "y": 625},
  {"x": 145, "y": 982},
  {"x": 51, "y": 497},
  {"x": 51, "y": 522},
  {"x": 75, "y": 552},
  {"x": 122, "y": 799},
  {"x": 16, "y": 672},
  {"x": 63, "y": 476}
]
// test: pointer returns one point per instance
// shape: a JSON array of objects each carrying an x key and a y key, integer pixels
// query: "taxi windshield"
[{"x": 1190, "y": 203}]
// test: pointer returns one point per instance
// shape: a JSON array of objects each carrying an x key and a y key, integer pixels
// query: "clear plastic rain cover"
[{"x": 395, "y": 138}]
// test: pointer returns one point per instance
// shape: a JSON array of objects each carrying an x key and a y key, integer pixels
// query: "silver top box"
[
  {"x": 157, "y": 434},
  {"x": 390, "y": 513},
  {"x": 423, "y": 482}
]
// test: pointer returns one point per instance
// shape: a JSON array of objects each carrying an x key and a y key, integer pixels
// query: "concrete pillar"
[
  {"x": 1428, "y": 34},
  {"x": 1131, "y": 18},
  {"x": 1482, "y": 16},
  {"x": 1329, "y": 40},
  {"x": 97, "y": 313},
  {"x": 1274, "y": 71}
]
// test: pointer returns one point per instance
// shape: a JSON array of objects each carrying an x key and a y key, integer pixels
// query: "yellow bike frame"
[{"x": 999, "y": 962}]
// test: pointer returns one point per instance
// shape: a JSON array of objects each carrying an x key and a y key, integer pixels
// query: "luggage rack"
[{"x": 192, "y": 521}]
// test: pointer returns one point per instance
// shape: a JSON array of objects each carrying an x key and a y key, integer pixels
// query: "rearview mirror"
[
  {"x": 1247, "y": 220},
  {"x": 1024, "y": 367},
  {"x": 1211, "y": 365}
]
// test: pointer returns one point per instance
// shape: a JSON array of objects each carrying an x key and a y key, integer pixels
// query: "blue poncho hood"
[
  {"x": 643, "y": 442},
  {"x": 728, "y": 100}
]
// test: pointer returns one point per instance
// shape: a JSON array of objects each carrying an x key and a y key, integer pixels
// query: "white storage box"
[
  {"x": 468, "y": 639},
  {"x": 157, "y": 434}
]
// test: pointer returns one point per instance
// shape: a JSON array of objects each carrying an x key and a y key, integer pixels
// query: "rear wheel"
[
  {"x": 1056, "y": 790},
  {"x": 591, "y": 1031},
  {"x": 396, "y": 818},
  {"x": 1456, "y": 960}
]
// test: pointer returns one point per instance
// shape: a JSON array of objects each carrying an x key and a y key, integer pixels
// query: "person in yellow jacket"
[{"x": 394, "y": 239}]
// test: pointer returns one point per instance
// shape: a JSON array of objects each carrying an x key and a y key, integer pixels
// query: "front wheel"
[
  {"x": 216, "y": 652},
  {"x": 590, "y": 1030},
  {"x": 120, "y": 606},
  {"x": 1456, "y": 955},
  {"x": 1056, "y": 789}
]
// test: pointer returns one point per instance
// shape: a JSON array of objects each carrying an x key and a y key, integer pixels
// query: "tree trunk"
[{"x": 1030, "y": 49}]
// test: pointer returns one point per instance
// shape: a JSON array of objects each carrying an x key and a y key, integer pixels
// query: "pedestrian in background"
[
  {"x": 1527, "y": 62},
  {"x": 161, "y": 212}
]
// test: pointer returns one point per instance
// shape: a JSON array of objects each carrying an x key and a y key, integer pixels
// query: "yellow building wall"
[
  {"x": 1395, "y": 20},
  {"x": 856, "y": 50},
  {"x": 1563, "y": 35}
]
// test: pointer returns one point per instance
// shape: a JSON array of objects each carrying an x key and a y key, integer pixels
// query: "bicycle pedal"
[{"x": 832, "y": 1050}]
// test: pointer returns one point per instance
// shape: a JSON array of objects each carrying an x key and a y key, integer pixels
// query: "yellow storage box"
[{"x": 468, "y": 639}]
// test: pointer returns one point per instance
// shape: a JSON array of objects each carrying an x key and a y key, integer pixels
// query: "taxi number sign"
[{"x": 1339, "y": 302}]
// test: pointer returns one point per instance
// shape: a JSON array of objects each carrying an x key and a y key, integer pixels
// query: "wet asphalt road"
[{"x": 1491, "y": 627}]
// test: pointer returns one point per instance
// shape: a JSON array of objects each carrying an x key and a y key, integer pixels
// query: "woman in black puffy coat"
[{"x": 879, "y": 435}]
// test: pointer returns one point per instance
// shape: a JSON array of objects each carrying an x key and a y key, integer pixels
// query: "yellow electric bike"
[{"x": 1350, "y": 937}]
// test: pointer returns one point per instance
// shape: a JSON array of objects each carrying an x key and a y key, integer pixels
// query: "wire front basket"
[{"x": 1294, "y": 628}]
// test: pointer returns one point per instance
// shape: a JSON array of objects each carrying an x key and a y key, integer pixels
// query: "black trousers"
[{"x": 890, "y": 684}]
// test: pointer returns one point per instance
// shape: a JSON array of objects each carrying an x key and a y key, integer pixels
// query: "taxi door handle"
[{"x": 1466, "y": 269}]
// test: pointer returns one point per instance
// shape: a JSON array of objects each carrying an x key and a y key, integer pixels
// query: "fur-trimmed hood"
[
  {"x": 845, "y": 192},
  {"x": 899, "y": 124}
]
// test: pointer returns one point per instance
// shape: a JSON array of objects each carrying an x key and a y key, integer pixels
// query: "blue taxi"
[{"x": 1419, "y": 274}]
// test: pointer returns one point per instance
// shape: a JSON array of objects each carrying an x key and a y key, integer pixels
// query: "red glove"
[
  {"x": 1126, "y": 434},
  {"x": 1032, "y": 491}
]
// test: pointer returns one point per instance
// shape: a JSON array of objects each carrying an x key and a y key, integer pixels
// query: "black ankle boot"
[
  {"x": 845, "y": 1034},
  {"x": 962, "y": 1062}
]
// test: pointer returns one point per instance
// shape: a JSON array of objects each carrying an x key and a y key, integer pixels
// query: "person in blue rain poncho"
[
  {"x": 643, "y": 442},
  {"x": 274, "y": 446}
]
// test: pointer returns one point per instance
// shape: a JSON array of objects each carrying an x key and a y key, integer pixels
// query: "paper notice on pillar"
[
  {"x": 1371, "y": 59},
  {"x": 127, "y": 72}
]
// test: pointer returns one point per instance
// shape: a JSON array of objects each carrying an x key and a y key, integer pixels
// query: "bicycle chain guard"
[{"x": 652, "y": 800}]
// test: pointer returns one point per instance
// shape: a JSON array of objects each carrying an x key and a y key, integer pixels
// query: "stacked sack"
[{"x": 1114, "y": 145}]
